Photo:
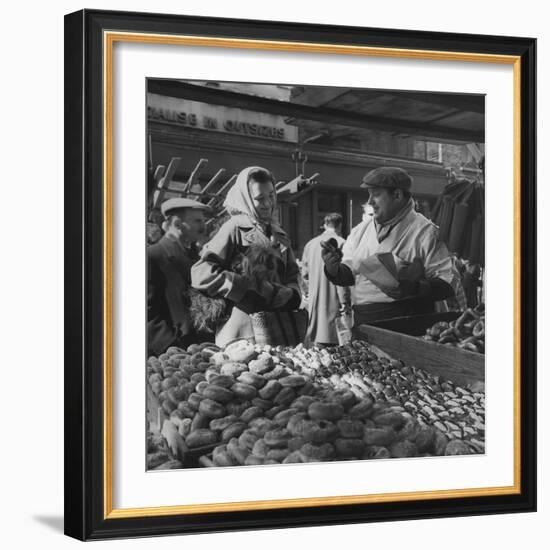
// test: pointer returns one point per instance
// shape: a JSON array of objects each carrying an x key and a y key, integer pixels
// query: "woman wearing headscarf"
[{"x": 252, "y": 203}]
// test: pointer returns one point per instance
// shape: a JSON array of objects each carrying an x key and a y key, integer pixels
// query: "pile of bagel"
[
  {"x": 247, "y": 405},
  {"x": 466, "y": 332}
]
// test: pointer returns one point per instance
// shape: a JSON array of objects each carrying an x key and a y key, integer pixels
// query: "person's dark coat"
[{"x": 168, "y": 279}]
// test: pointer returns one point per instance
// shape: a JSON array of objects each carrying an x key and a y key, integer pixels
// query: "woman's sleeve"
[
  {"x": 292, "y": 272},
  {"x": 211, "y": 274}
]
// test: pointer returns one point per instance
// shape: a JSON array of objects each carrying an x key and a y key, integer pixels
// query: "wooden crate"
[
  {"x": 418, "y": 324},
  {"x": 455, "y": 364}
]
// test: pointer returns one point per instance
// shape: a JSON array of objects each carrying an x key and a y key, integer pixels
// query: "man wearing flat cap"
[
  {"x": 423, "y": 269},
  {"x": 169, "y": 264}
]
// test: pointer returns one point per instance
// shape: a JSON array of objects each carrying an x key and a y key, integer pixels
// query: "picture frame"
[{"x": 90, "y": 37}]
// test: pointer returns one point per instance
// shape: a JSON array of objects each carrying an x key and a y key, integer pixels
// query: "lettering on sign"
[{"x": 219, "y": 119}]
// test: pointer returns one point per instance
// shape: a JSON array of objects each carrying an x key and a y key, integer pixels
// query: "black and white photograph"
[{"x": 315, "y": 274}]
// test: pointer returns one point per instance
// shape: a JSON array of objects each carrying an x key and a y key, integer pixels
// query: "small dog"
[{"x": 258, "y": 264}]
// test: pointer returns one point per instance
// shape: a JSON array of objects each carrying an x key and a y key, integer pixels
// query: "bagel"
[
  {"x": 393, "y": 419},
  {"x": 296, "y": 443},
  {"x": 277, "y": 438},
  {"x": 251, "y": 413},
  {"x": 349, "y": 447},
  {"x": 244, "y": 391},
  {"x": 283, "y": 417},
  {"x": 248, "y": 438},
  {"x": 260, "y": 448},
  {"x": 197, "y": 377},
  {"x": 241, "y": 351},
  {"x": 317, "y": 453},
  {"x": 236, "y": 452},
  {"x": 270, "y": 413},
  {"x": 350, "y": 429},
  {"x": 292, "y": 381},
  {"x": 219, "y": 424},
  {"x": 186, "y": 409},
  {"x": 375, "y": 452},
  {"x": 223, "y": 458},
  {"x": 403, "y": 449},
  {"x": 379, "y": 436},
  {"x": 217, "y": 393},
  {"x": 275, "y": 373},
  {"x": 295, "y": 457},
  {"x": 278, "y": 454},
  {"x": 222, "y": 380},
  {"x": 238, "y": 407},
  {"x": 253, "y": 379},
  {"x": 285, "y": 397},
  {"x": 307, "y": 389},
  {"x": 362, "y": 409},
  {"x": 346, "y": 398},
  {"x": 200, "y": 438},
  {"x": 199, "y": 421},
  {"x": 270, "y": 390},
  {"x": 264, "y": 404},
  {"x": 253, "y": 460},
  {"x": 262, "y": 425},
  {"x": 314, "y": 431},
  {"x": 303, "y": 402},
  {"x": 232, "y": 369},
  {"x": 260, "y": 365},
  {"x": 211, "y": 408},
  {"x": 320, "y": 410},
  {"x": 235, "y": 430}
]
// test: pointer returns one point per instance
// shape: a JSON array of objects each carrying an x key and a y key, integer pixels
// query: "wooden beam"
[
  {"x": 328, "y": 115},
  {"x": 194, "y": 175},
  {"x": 472, "y": 103}
]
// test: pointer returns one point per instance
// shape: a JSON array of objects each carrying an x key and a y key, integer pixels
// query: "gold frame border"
[{"x": 109, "y": 39}]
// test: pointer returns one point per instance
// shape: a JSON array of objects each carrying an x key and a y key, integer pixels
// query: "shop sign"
[{"x": 217, "y": 118}]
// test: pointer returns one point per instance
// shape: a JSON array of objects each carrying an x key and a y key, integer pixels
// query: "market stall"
[{"x": 250, "y": 404}]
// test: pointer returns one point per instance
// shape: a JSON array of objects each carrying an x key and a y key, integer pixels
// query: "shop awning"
[{"x": 451, "y": 118}]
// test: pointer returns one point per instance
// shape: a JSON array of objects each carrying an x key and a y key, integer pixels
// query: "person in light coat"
[{"x": 325, "y": 301}]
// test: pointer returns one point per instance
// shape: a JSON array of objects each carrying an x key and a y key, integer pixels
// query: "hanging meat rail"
[{"x": 214, "y": 191}]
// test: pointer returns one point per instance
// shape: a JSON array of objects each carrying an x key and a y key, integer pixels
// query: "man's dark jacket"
[{"x": 168, "y": 278}]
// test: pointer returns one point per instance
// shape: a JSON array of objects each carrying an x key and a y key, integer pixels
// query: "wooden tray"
[
  {"x": 418, "y": 324},
  {"x": 455, "y": 364}
]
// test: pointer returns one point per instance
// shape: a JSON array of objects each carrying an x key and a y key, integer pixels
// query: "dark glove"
[
  {"x": 252, "y": 302},
  {"x": 332, "y": 255},
  {"x": 284, "y": 298},
  {"x": 410, "y": 289}
]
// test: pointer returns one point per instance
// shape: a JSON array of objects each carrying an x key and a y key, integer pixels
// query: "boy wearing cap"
[
  {"x": 394, "y": 227},
  {"x": 169, "y": 264}
]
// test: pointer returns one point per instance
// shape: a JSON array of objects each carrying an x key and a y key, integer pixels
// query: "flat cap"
[
  {"x": 388, "y": 177},
  {"x": 175, "y": 204}
]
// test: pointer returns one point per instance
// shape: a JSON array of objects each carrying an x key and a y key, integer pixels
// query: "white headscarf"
[{"x": 239, "y": 201}]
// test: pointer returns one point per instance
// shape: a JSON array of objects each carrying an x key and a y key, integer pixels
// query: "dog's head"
[{"x": 258, "y": 263}]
